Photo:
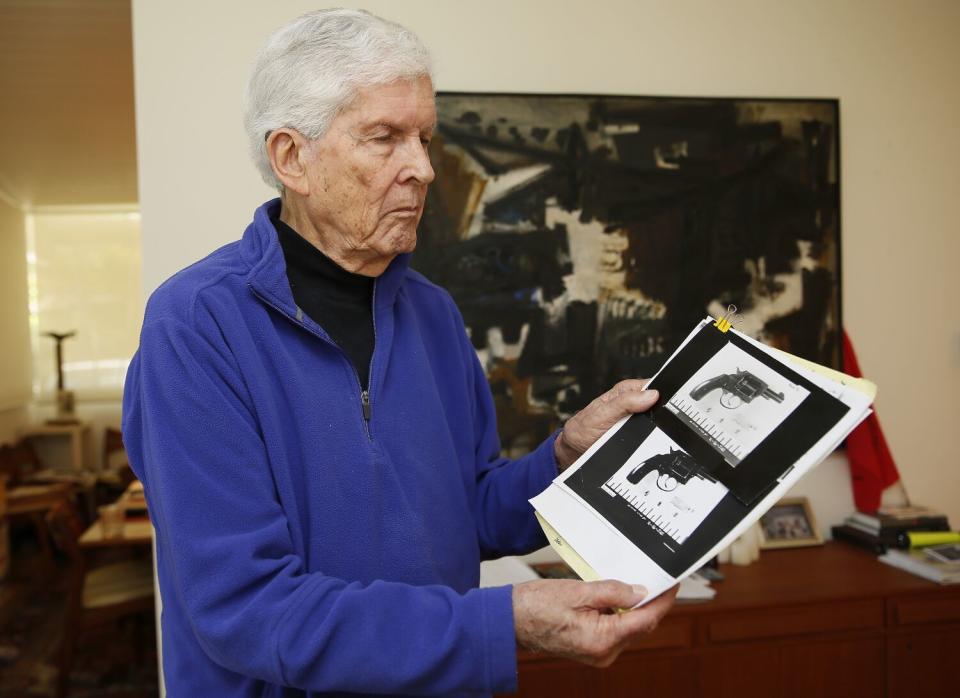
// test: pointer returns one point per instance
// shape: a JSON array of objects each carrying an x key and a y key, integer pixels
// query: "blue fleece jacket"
[{"x": 302, "y": 548}]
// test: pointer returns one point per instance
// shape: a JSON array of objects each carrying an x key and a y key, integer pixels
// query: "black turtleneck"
[{"x": 337, "y": 300}]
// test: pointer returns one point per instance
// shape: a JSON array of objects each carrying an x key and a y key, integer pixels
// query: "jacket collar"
[{"x": 260, "y": 250}]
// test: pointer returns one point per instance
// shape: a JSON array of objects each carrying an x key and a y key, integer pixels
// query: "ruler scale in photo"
[
  {"x": 712, "y": 430},
  {"x": 654, "y": 513}
]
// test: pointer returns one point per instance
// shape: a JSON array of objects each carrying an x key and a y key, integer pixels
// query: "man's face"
[{"x": 369, "y": 173}]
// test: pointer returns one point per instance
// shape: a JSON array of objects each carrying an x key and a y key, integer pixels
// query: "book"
[
  {"x": 735, "y": 426},
  {"x": 899, "y": 519},
  {"x": 907, "y": 512},
  {"x": 919, "y": 563},
  {"x": 893, "y": 530},
  {"x": 859, "y": 537},
  {"x": 896, "y": 536}
]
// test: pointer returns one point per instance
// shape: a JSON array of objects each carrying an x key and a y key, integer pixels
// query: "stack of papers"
[
  {"x": 513, "y": 570},
  {"x": 923, "y": 565},
  {"x": 695, "y": 588},
  {"x": 737, "y": 424}
]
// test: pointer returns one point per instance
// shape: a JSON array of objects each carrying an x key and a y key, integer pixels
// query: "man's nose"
[{"x": 417, "y": 162}]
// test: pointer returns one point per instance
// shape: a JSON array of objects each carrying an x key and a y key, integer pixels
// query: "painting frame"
[{"x": 537, "y": 390}]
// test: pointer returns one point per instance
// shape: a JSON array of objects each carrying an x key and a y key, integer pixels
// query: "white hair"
[{"x": 312, "y": 68}]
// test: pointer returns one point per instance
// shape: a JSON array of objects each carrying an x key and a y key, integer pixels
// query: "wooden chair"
[
  {"x": 112, "y": 447},
  {"x": 115, "y": 473},
  {"x": 9, "y": 468},
  {"x": 18, "y": 462},
  {"x": 95, "y": 596},
  {"x": 26, "y": 500}
]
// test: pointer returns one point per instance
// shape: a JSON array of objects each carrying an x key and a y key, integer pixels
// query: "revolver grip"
[
  {"x": 640, "y": 472},
  {"x": 709, "y": 385}
]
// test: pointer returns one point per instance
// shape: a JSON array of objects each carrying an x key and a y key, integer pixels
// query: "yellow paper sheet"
[
  {"x": 566, "y": 553},
  {"x": 861, "y": 385}
]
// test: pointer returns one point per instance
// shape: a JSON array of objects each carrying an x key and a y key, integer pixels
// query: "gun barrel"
[{"x": 769, "y": 394}]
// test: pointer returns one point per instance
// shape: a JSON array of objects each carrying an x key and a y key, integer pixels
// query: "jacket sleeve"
[
  {"x": 505, "y": 520},
  {"x": 230, "y": 564}
]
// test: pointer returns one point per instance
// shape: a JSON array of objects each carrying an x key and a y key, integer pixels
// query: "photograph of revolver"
[
  {"x": 737, "y": 388},
  {"x": 673, "y": 469}
]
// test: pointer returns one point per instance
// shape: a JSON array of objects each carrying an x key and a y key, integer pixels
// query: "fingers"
[
  {"x": 612, "y": 594},
  {"x": 571, "y": 619},
  {"x": 614, "y": 633},
  {"x": 646, "y": 618},
  {"x": 630, "y": 391},
  {"x": 580, "y": 432},
  {"x": 630, "y": 385},
  {"x": 623, "y": 400}
]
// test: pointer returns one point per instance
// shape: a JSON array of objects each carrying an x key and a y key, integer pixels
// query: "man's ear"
[{"x": 287, "y": 150}]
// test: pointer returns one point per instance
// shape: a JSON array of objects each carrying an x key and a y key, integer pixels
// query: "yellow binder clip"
[{"x": 725, "y": 322}]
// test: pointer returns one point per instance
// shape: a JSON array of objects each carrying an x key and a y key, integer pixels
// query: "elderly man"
[{"x": 314, "y": 431}]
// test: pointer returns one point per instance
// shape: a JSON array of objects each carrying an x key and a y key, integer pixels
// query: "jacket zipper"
[
  {"x": 365, "y": 399},
  {"x": 366, "y": 405}
]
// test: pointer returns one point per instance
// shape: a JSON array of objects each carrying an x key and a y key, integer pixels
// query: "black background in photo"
[
  {"x": 781, "y": 448},
  {"x": 587, "y": 481}
]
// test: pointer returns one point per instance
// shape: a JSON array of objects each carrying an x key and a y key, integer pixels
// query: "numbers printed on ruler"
[
  {"x": 719, "y": 429},
  {"x": 657, "y": 515}
]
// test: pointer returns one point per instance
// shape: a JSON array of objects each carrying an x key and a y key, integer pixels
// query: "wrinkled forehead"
[{"x": 405, "y": 102}]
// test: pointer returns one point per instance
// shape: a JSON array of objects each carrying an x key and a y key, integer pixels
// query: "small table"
[
  {"x": 137, "y": 529},
  {"x": 36, "y": 498},
  {"x": 136, "y": 532}
]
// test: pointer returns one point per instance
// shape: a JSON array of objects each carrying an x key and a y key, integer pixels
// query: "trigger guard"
[{"x": 731, "y": 402}]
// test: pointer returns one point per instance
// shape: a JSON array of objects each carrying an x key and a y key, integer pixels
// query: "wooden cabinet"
[
  {"x": 559, "y": 678},
  {"x": 824, "y": 621},
  {"x": 923, "y": 648},
  {"x": 923, "y": 664}
]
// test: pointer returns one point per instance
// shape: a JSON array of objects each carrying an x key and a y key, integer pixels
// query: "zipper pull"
[{"x": 365, "y": 401}]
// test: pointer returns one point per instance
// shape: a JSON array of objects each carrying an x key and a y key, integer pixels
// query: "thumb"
[
  {"x": 613, "y": 594},
  {"x": 643, "y": 401}
]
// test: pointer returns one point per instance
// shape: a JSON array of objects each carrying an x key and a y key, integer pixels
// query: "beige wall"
[
  {"x": 893, "y": 64},
  {"x": 15, "y": 361}
]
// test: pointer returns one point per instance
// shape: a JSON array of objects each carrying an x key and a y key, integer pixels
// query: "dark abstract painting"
[{"x": 583, "y": 236}]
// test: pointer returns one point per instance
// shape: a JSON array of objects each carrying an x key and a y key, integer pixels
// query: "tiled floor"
[{"x": 32, "y": 602}]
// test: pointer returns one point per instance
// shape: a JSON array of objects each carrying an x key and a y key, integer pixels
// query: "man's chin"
[
  {"x": 405, "y": 242},
  {"x": 398, "y": 239}
]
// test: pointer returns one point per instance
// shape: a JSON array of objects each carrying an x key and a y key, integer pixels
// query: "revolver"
[
  {"x": 673, "y": 468},
  {"x": 737, "y": 388}
]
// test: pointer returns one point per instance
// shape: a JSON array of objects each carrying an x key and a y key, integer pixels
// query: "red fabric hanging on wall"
[{"x": 871, "y": 465}]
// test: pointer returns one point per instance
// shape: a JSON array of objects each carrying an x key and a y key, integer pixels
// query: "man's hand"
[
  {"x": 578, "y": 620},
  {"x": 590, "y": 423}
]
